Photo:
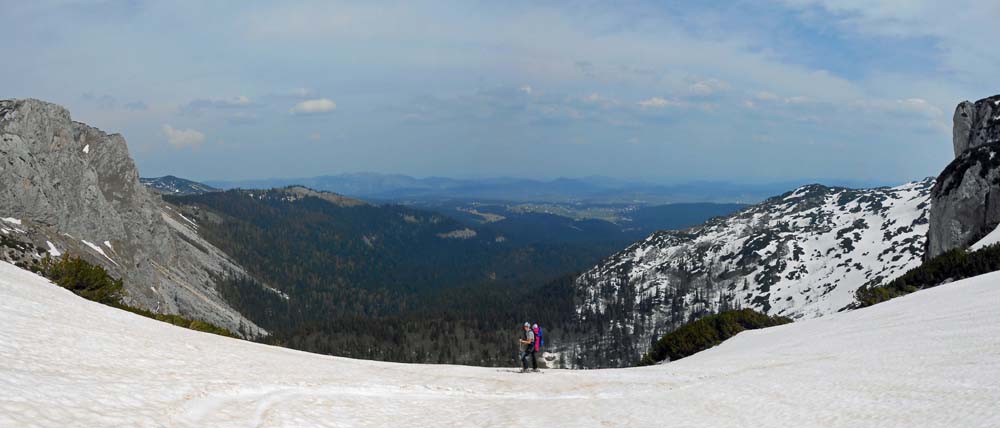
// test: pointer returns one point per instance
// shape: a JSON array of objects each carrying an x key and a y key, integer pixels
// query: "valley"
[
  {"x": 499, "y": 214},
  {"x": 396, "y": 275}
]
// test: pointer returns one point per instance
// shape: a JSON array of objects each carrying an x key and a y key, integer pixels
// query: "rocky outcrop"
[
  {"x": 976, "y": 124},
  {"x": 72, "y": 188},
  {"x": 965, "y": 202}
]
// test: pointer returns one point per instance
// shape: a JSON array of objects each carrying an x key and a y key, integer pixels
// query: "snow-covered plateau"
[{"x": 929, "y": 359}]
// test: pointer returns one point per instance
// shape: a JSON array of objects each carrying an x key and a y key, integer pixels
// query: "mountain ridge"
[
  {"x": 172, "y": 185},
  {"x": 801, "y": 254},
  {"x": 592, "y": 189}
]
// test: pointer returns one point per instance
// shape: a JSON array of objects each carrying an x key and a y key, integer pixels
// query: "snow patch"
[
  {"x": 188, "y": 220},
  {"x": 11, "y": 220},
  {"x": 990, "y": 239},
  {"x": 86, "y": 149},
  {"x": 53, "y": 251},
  {"x": 99, "y": 250}
]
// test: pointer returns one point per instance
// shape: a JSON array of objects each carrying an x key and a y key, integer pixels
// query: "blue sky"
[{"x": 663, "y": 91}]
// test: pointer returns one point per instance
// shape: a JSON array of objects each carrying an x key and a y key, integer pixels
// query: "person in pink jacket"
[{"x": 538, "y": 337}]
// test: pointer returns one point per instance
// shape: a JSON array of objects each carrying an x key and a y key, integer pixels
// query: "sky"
[{"x": 746, "y": 91}]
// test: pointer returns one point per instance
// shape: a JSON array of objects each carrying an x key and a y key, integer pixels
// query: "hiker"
[
  {"x": 538, "y": 337},
  {"x": 528, "y": 345}
]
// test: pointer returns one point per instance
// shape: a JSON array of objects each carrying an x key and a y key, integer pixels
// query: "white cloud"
[
  {"x": 958, "y": 28},
  {"x": 526, "y": 89},
  {"x": 316, "y": 106},
  {"x": 918, "y": 106},
  {"x": 600, "y": 101},
  {"x": 707, "y": 87},
  {"x": 181, "y": 138},
  {"x": 796, "y": 100},
  {"x": 658, "y": 102},
  {"x": 200, "y": 105},
  {"x": 767, "y": 97}
]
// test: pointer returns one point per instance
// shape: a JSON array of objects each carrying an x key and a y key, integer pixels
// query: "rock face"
[
  {"x": 801, "y": 255},
  {"x": 74, "y": 189},
  {"x": 976, "y": 124},
  {"x": 965, "y": 202}
]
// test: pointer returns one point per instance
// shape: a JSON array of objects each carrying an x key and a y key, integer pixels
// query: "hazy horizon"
[
  {"x": 770, "y": 91},
  {"x": 847, "y": 182}
]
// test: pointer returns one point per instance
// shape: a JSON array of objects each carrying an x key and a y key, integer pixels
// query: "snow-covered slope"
[
  {"x": 990, "y": 239},
  {"x": 802, "y": 255},
  {"x": 930, "y": 359}
]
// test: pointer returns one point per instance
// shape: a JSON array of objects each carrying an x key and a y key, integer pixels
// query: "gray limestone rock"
[
  {"x": 965, "y": 201},
  {"x": 976, "y": 124},
  {"x": 965, "y": 204},
  {"x": 75, "y": 188}
]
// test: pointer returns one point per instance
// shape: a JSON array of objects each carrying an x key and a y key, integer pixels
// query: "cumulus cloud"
[
  {"x": 315, "y": 106},
  {"x": 658, "y": 102},
  {"x": 707, "y": 87},
  {"x": 181, "y": 138}
]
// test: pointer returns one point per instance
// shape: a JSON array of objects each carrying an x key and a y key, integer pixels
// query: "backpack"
[{"x": 539, "y": 339}]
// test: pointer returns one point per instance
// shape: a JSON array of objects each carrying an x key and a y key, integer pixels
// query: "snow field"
[{"x": 930, "y": 359}]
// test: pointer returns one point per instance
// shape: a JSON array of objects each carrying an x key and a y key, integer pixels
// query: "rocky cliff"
[
  {"x": 976, "y": 124},
  {"x": 802, "y": 254},
  {"x": 72, "y": 188},
  {"x": 965, "y": 202}
]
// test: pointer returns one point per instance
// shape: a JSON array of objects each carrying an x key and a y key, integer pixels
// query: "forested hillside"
[{"x": 384, "y": 282}]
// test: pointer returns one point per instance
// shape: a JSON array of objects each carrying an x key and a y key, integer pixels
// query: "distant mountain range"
[
  {"x": 170, "y": 185},
  {"x": 396, "y": 187}
]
